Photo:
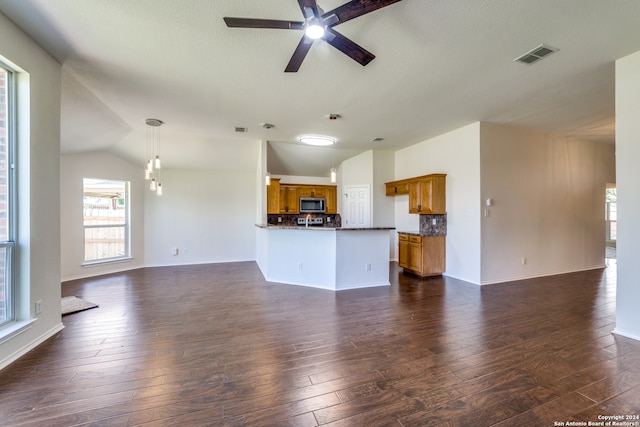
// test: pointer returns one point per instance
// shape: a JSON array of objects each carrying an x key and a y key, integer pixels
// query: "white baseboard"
[
  {"x": 617, "y": 331},
  {"x": 33, "y": 344}
]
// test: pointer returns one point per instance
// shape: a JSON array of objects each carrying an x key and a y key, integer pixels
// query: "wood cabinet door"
[
  {"x": 415, "y": 197},
  {"x": 427, "y": 196},
  {"x": 415, "y": 257},
  {"x": 273, "y": 197},
  {"x": 332, "y": 200},
  {"x": 289, "y": 202},
  {"x": 403, "y": 253}
]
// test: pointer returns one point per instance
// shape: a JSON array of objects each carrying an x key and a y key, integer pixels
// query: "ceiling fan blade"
[
  {"x": 309, "y": 8},
  {"x": 263, "y": 23},
  {"x": 356, "y": 8},
  {"x": 348, "y": 47},
  {"x": 299, "y": 54}
]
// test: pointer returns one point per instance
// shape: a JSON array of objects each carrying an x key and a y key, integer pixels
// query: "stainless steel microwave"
[{"x": 313, "y": 205}]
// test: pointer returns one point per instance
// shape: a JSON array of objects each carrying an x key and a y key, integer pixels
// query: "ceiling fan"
[{"x": 319, "y": 25}]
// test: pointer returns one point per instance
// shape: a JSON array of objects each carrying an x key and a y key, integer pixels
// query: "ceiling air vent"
[
  {"x": 241, "y": 130},
  {"x": 536, "y": 54},
  {"x": 378, "y": 139}
]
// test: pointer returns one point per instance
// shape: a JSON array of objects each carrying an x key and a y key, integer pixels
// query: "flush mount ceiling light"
[{"x": 319, "y": 140}]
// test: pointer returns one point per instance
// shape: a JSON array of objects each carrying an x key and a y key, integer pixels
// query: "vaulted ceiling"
[{"x": 440, "y": 64}]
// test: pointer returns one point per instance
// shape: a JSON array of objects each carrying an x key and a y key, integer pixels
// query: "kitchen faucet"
[{"x": 306, "y": 220}]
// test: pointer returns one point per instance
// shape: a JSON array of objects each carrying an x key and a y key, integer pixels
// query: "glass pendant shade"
[
  {"x": 333, "y": 175},
  {"x": 152, "y": 170},
  {"x": 267, "y": 179}
]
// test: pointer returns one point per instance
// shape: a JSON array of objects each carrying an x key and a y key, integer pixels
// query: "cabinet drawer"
[
  {"x": 404, "y": 237},
  {"x": 415, "y": 239}
]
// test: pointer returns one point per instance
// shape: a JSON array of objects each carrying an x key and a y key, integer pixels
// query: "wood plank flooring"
[{"x": 216, "y": 345}]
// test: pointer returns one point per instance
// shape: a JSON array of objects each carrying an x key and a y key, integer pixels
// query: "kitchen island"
[{"x": 324, "y": 257}]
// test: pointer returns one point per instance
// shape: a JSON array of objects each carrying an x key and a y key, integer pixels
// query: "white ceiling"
[{"x": 440, "y": 65}]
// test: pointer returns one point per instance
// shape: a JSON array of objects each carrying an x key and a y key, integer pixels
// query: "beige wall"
[{"x": 548, "y": 203}]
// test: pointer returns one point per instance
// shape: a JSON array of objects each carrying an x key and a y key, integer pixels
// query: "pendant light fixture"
[
  {"x": 154, "y": 164},
  {"x": 267, "y": 126}
]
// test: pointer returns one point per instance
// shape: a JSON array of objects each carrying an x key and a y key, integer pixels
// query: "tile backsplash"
[
  {"x": 433, "y": 225},
  {"x": 330, "y": 220}
]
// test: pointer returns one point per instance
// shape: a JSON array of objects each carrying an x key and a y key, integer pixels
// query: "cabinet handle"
[
  {"x": 395, "y": 189},
  {"x": 419, "y": 208}
]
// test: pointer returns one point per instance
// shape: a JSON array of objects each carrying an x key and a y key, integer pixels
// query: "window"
[
  {"x": 611, "y": 215},
  {"x": 106, "y": 220},
  {"x": 7, "y": 191}
]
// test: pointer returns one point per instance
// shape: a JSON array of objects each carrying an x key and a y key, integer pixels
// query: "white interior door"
[{"x": 358, "y": 206}]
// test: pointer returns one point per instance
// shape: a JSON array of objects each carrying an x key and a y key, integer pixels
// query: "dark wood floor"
[{"x": 216, "y": 345}]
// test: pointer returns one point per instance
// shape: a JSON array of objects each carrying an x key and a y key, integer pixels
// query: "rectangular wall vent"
[{"x": 536, "y": 54}]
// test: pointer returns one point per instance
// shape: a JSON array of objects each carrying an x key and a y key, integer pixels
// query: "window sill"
[
  {"x": 14, "y": 329},
  {"x": 106, "y": 261}
]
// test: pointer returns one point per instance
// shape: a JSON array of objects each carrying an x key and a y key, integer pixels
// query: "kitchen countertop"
[
  {"x": 412, "y": 233},
  {"x": 320, "y": 228}
]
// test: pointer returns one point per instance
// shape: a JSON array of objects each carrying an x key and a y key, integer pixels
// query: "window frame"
[
  {"x": 126, "y": 225},
  {"x": 10, "y": 244}
]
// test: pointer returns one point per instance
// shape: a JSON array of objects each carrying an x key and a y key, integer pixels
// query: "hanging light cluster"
[{"x": 154, "y": 165}]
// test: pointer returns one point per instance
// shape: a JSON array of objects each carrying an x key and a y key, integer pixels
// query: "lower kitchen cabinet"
[{"x": 422, "y": 255}]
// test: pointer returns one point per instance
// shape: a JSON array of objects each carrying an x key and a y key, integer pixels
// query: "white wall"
[
  {"x": 628, "y": 177},
  {"x": 211, "y": 214},
  {"x": 383, "y": 206},
  {"x": 457, "y": 154},
  {"x": 38, "y": 166},
  {"x": 75, "y": 167},
  {"x": 548, "y": 196}
]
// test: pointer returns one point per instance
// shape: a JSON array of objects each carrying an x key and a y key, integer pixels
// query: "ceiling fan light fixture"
[
  {"x": 314, "y": 30},
  {"x": 318, "y": 140}
]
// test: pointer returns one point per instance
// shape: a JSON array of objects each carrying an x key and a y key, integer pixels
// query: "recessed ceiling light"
[{"x": 320, "y": 140}]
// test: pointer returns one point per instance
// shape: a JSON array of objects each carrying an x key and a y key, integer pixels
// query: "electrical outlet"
[
  {"x": 524, "y": 260},
  {"x": 367, "y": 267},
  {"x": 185, "y": 251},
  {"x": 434, "y": 221},
  {"x": 38, "y": 307}
]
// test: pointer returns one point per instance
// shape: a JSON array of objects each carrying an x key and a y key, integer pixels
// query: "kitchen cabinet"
[
  {"x": 273, "y": 196},
  {"x": 312, "y": 191},
  {"x": 422, "y": 255},
  {"x": 427, "y": 194},
  {"x": 289, "y": 202},
  {"x": 285, "y": 198},
  {"x": 396, "y": 188},
  {"x": 332, "y": 200}
]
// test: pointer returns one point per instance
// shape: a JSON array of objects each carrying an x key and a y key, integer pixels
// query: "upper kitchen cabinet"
[
  {"x": 427, "y": 194},
  {"x": 332, "y": 200},
  {"x": 289, "y": 201},
  {"x": 285, "y": 198},
  {"x": 397, "y": 187},
  {"x": 312, "y": 191},
  {"x": 273, "y": 196}
]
